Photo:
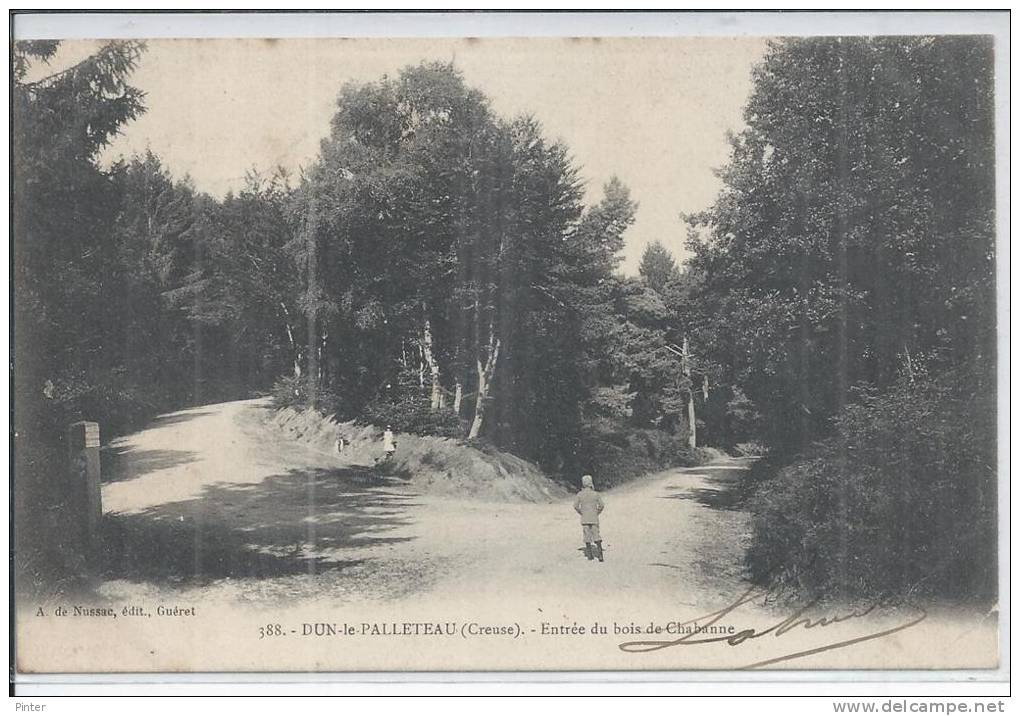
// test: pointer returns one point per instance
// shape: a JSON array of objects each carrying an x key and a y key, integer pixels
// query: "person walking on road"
[{"x": 588, "y": 504}]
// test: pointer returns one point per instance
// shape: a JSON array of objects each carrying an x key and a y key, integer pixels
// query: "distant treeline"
[{"x": 436, "y": 268}]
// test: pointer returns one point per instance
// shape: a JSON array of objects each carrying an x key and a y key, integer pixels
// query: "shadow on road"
[
  {"x": 720, "y": 490},
  {"x": 182, "y": 416},
  {"x": 287, "y": 524},
  {"x": 124, "y": 463}
]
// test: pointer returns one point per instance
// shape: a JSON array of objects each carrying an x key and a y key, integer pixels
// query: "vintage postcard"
[{"x": 657, "y": 353}]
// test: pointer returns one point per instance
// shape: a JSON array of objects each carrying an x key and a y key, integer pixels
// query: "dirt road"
[
  {"x": 255, "y": 547},
  {"x": 209, "y": 500}
]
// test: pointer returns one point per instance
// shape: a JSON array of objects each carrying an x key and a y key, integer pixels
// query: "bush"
[
  {"x": 114, "y": 401},
  {"x": 617, "y": 453},
  {"x": 290, "y": 392},
  {"x": 901, "y": 500},
  {"x": 406, "y": 408},
  {"x": 411, "y": 412}
]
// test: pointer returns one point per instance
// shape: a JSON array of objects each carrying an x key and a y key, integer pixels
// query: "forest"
[{"x": 436, "y": 268}]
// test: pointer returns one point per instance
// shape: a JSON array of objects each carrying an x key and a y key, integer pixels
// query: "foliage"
[
  {"x": 901, "y": 499},
  {"x": 450, "y": 241},
  {"x": 615, "y": 453},
  {"x": 413, "y": 415},
  {"x": 290, "y": 391},
  {"x": 433, "y": 249},
  {"x": 407, "y": 410},
  {"x": 843, "y": 286},
  {"x": 435, "y": 269},
  {"x": 658, "y": 267},
  {"x": 113, "y": 399},
  {"x": 64, "y": 207},
  {"x": 841, "y": 246},
  {"x": 68, "y": 276}
]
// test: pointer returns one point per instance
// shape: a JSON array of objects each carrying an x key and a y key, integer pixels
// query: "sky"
[{"x": 653, "y": 111}]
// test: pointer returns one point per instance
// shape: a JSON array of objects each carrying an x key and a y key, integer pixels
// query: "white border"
[{"x": 504, "y": 24}]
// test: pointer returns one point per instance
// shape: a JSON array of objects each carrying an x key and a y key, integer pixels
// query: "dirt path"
[
  {"x": 209, "y": 504},
  {"x": 212, "y": 512}
]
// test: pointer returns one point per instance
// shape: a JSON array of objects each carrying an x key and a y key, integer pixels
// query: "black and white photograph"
[{"x": 508, "y": 353}]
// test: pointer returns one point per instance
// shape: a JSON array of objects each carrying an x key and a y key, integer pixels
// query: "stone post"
[{"x": 84, "y": 497}]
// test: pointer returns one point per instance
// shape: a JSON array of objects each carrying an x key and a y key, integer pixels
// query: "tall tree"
[
  {"x": 397, "y": 190},
  {"x": 658, "y": 267},
  {"x": 841, "y": 202},
  {"x": 537, "y": 392},
  {"x": 153, "y": 250},
  {"x": 248, "y": 289},
  {"x": 63, "y": 212}
]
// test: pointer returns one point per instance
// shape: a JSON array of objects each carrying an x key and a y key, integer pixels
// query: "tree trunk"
[
  {"x": 485, "y": 373},
  {"x": 692, "y": 430},
  {"x": 458, "y": 396},
  {"x": 295, "y": 351},
  {"x": 437, "y": 400},
  {"x": 313, "y": 292},
  {"x": 313, "y": 360},
  {"x": 483, "y": 389},
  {"x": 322, "y": 353}
]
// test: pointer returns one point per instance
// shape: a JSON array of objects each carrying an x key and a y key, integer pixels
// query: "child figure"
[
  {"x": 588, "y": 504},
  {"x": 389, "y": 444}
]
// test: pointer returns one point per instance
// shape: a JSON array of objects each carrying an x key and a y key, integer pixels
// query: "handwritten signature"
[{"x": 799, "y": 619}]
